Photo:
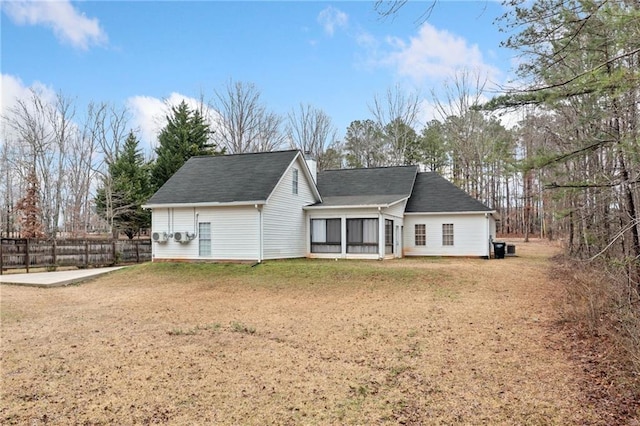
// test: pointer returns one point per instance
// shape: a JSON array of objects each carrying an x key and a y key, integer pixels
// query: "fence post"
[
  {"x": 1, "y": 257},
  {"x": 86, "y": 253},
  {"x": 26, "y": 254},
  {"x": 113, "y": 251},
  {"x": 55, "y": 254},
  {"x": 137, "y": 251}
]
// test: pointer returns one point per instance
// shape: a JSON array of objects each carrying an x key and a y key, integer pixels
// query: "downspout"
[
  {"x": 195, "y": 223},
  {"x": 260, "y": 233},
  {"x": 173, "y": 218},
  {"x": 489, "y": 237},
  {"x": 381, "y": 235}
]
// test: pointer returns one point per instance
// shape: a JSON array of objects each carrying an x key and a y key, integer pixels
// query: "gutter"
[
  {"x": 491, "y": 212},
  {"x": 207, "y": 204},
  {"x": 356, "y": 206},
  {"x": 363, "y": 206}
]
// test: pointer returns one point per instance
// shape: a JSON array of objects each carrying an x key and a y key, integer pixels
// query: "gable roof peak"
[{"x": 219, "y": 179}]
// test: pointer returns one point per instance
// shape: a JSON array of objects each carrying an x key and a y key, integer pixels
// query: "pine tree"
[
  {"x": 126, "y": 188},
  {"x": 186, "y": 134},
  {"x": 403, "y": 143},
  {"x": 364, "y": 144},
  {"x": 432, "y": 147}
]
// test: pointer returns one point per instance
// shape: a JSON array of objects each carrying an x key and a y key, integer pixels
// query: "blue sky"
[{"x": 333, "y": 55}]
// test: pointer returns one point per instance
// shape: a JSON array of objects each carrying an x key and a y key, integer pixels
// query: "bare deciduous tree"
[
  {"x": 394, "y": 110},
  {"x": 244, "y": 124},
  {"x": 107, "y": 125},
  {"x": 310, "y": 130},
  {"x": 29, "y": 119},
  {"x": 61, "y": 116}
]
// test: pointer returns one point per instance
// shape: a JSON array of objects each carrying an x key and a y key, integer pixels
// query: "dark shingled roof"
[
  {"x": 374, "y": 186},
  {"x": 225, "y": 178},
  {"x": 432, "y": 193}
]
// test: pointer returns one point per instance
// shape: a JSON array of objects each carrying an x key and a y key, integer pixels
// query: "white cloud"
[
  {"x": 428, "y": 112},
  {"x": 331, "y": 18},
  {"x": 435, "y": 54},
  {"x": 14, "y": 90},
  {"x": 366, "y": 40},
  {"x": 149, "y": 114},
  {"x": 67, "y": 23}
]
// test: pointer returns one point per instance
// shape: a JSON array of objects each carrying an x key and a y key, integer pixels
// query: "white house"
[{"x": 272, "y": 205}]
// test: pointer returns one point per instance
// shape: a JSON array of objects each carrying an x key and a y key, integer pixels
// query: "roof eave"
[
  {"x": 358, "y": 206},
  {"x": 205, "y": 204},
  {"x": 492, "y": 212},
  {"x": 350, "y": 206}
]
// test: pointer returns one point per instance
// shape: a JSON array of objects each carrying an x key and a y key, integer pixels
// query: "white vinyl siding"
[
  {"x": 174, "y": 220},
  {"x": 284, "y": 223},
  {"x": 234, "y": 232},
  {"x": 397, "y": 210},
  {"x": 471, "y": 234}
]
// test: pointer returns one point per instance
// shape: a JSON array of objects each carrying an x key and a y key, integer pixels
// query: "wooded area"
[{"x": 51, "y": 254}]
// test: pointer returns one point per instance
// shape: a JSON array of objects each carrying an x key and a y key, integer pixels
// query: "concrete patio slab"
[{"x": 55, "y": 279}]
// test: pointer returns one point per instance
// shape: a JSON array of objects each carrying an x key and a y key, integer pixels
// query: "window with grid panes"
[
  {"x": 421, "y": 234},
  {"x": 447, "y": 234}
]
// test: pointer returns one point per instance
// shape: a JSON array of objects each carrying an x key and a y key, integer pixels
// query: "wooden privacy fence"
[{"x": 30, "y": 253}]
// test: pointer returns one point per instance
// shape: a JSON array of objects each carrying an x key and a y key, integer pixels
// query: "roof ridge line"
[
  {"x": 237, "y": 154},
  {"x": 370, "y": 168}
]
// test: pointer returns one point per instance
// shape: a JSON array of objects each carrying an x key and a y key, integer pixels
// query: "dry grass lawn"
[{"x": 412, "y": 341}]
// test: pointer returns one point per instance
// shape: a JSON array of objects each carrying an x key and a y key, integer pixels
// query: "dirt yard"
[{"x": 424, "y": 341}]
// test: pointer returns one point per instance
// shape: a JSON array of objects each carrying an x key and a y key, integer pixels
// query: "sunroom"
[{"x": 353, "y": 235}]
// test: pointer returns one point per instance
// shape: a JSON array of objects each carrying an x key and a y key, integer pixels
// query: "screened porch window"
[
  {"x": 326, "y": 236},
  {"x": 362, "y": 235}
]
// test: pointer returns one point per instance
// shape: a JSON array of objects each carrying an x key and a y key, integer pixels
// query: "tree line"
[{"x": 75, "y": 175}]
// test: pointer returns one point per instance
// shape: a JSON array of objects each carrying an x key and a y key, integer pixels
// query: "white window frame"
[
  {"x": 447, "y": 234},
  {"x": 294, "y": 182},
  {"x": 420, "y": 234},
  {"x": 204, "y": 239}
]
